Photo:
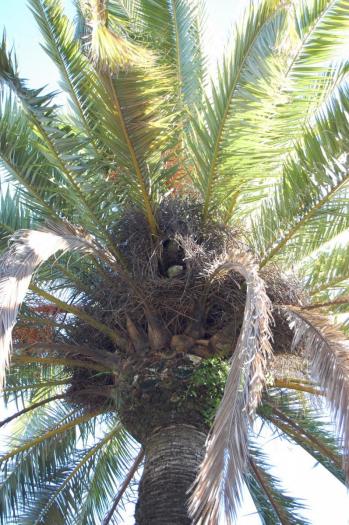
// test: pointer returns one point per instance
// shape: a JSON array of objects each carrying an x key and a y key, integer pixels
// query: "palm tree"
[{"x": 200, "y": 227}]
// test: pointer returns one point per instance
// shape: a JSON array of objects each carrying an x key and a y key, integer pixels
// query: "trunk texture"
[{"x": 172, "y": 457}]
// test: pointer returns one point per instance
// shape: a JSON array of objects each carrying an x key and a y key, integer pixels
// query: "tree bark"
[{"x": 172, "y": 457}]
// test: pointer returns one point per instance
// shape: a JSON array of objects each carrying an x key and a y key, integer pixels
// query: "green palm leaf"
[
  {"x": 312, "y": 201},
  {"x": 327, "y": 271},
  {"x": 274, "y": 506},
  {"x": 304, "y": 76},
  {"x": 300, "y": 421},
  {"x": 255, "y": 40},
  {"x": 174, "y": 29}
]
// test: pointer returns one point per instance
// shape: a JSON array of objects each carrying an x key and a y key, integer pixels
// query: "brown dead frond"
[
  {"x": 221, "y": 474},
  {"x": 29, "y": 249}
]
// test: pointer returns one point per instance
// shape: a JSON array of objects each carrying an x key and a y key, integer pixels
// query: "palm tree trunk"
[{"x": 172, "y": 457}]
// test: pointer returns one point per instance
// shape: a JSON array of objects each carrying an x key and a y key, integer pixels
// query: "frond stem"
[
  {"x": 335, "y": 302},
  {"x": 138, "y": 171},
  {"x": 59, "y": 382},
  {"x": 306, "y": 216},
  {"x": 30, "y": 408},
  {"x": 50, "y": 434},
  {"x": 224, "y": 118},
  {"x": 124, "y": 486},
  {"x": 112, "y": 334},
  {"x": 285, "y": 383},
  {"x": 72, "y": 363},
  {"x": 178, "y": 54},
  {"x": 263, "y": 483}
]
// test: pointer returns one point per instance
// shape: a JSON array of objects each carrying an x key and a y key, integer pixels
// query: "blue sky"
[
  {"x": 327, "y": 499},
  {"x": 21, "y": 31}
]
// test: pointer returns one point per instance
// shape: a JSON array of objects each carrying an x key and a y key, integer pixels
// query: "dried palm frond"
[
  {"x": 29, "y": 249},
  {"x": 328, "y": 352},
  {"x": 221, "y": 473}
]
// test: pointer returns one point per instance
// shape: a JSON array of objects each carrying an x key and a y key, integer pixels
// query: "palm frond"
[
  {"x": 49, "y": 439},
  {"x": 113, "y": 334},
  {"x": 29, "y": 408},
  {"x": 101, "y": 131},
  {"x": 326, "y": 271},
  {"x": 302, "y": 421},
  {"x": 139, "y": 117},
  {"x": 29, "y": 466},
  {"x": 273, "y": 505},
  {"x": 130, "y": 120},
  {"x": 328, "y": 352},
  {"x": 13, "y": 216},
  {"x": 26, "y": 446},
  {"x": 220, "y": 476},
  {"x": 305, "y": 76},
  {"x": 111, "y": 471},
  {"x": 78, "y": 78},
  {"x": 29, "y": 250},
  {"x": 342, "y": 300},
  {"x": 30, "y": 383},
  {"x": 16, "y": 215},
  {"x": 312, "y": 201},
  {"x": 92, "y": 356},
  {"x": 256, "y": 39},
  {"x": 124, "y": 487},
  {"x": 297, "y": 385},
  {"x": 173, "y": 30},
  {"x": 61, "y": 145},
  {"x": 22, "y": 163},
  {"x": 108, "y": 48},
  {"x": 59, "y": 361},
  {"x": 73, "y": 484},
  {"x": 36, "y": 389}
]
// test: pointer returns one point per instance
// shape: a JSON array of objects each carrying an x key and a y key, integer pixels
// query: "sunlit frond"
[
  {"x": 78, "y": 78},
  {"x": 22, "y": 163},
  {"x": 306, "y": 71},
  {"x": 173, "y": 30},
  {"x": 108, "y": 48},
  {"x": 327, "y": 272},
  {"x": 311, "y": 206},
  {"x": 253, "y": 46}
]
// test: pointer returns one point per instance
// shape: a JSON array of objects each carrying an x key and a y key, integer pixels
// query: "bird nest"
[{"x": 174, "y": 276}]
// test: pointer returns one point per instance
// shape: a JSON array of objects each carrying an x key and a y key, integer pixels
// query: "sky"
[{"x": 326, "y": 498}]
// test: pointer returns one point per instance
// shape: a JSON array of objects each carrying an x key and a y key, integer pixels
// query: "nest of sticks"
[{"x": 174, "y": 276}]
